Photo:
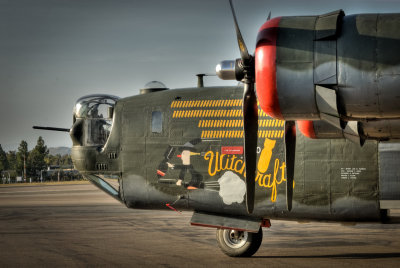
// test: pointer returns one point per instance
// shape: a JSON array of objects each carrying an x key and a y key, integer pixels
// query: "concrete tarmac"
[{"x": 80, "y": 226}]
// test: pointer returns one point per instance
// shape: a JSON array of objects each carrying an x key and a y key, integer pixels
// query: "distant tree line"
[{"x": 35, "y": 163}]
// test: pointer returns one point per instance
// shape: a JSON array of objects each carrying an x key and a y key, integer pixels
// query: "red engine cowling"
[
  {"x": 265, "y": 65},
  {"x": 347, "y": 67}
]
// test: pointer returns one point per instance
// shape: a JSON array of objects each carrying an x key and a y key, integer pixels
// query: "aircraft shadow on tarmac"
[{"x": 339, "y": 256}]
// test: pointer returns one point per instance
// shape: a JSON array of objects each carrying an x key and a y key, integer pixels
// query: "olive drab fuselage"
[{"x": 183, "y": 149}]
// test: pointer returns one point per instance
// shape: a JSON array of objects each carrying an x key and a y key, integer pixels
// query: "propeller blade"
[
  {"x": 244, "y": 71},
  {"x": 269, "y": 16},
  {"x": 250, "y": 128},
  {"x": 242, "y": 46},
  {"x": 290, "y": 151}
]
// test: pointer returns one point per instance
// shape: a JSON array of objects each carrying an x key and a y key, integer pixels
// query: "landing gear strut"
[{"x": 239, "y": 243}]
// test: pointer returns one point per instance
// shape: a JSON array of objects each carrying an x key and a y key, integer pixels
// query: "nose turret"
[{"x": 93, "y": 118}]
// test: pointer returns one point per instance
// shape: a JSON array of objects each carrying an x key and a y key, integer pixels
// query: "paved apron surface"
[{"x": 78, "y": 225}]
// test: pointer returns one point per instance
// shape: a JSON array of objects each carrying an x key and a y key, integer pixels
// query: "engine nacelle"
[
  {"x": 355, "y": 131},
  {"x": 342, "y": 66}
]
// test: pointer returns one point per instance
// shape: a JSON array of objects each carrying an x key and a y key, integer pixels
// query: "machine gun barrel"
[{"x": 52, "y": 128}]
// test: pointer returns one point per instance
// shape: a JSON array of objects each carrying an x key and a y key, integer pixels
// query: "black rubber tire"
[{"x": 251, "y": 245}]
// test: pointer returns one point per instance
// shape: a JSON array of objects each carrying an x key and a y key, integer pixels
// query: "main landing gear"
[{"x": 236, "y": 243}]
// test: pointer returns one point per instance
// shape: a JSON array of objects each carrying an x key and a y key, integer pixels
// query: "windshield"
[{"x": 94, "y": 106}]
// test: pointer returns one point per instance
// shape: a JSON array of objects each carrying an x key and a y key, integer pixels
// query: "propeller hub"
[{"x": 231, "y": 70}]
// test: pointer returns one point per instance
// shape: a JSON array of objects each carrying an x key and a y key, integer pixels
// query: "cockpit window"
[{"x": 97, "y": 112}]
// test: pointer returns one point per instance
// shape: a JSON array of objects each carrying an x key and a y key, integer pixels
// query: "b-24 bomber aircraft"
[{"x": 239, "y": 160}]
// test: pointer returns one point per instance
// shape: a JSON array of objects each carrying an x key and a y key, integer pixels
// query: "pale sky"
[{"x": 54, "y": 51}]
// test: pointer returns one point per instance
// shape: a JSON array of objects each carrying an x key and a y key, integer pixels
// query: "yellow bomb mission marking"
[{"x": 218, "y": 162}]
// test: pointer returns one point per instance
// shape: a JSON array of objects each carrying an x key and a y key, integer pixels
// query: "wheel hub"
[{"x": 235, "y": 238}]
